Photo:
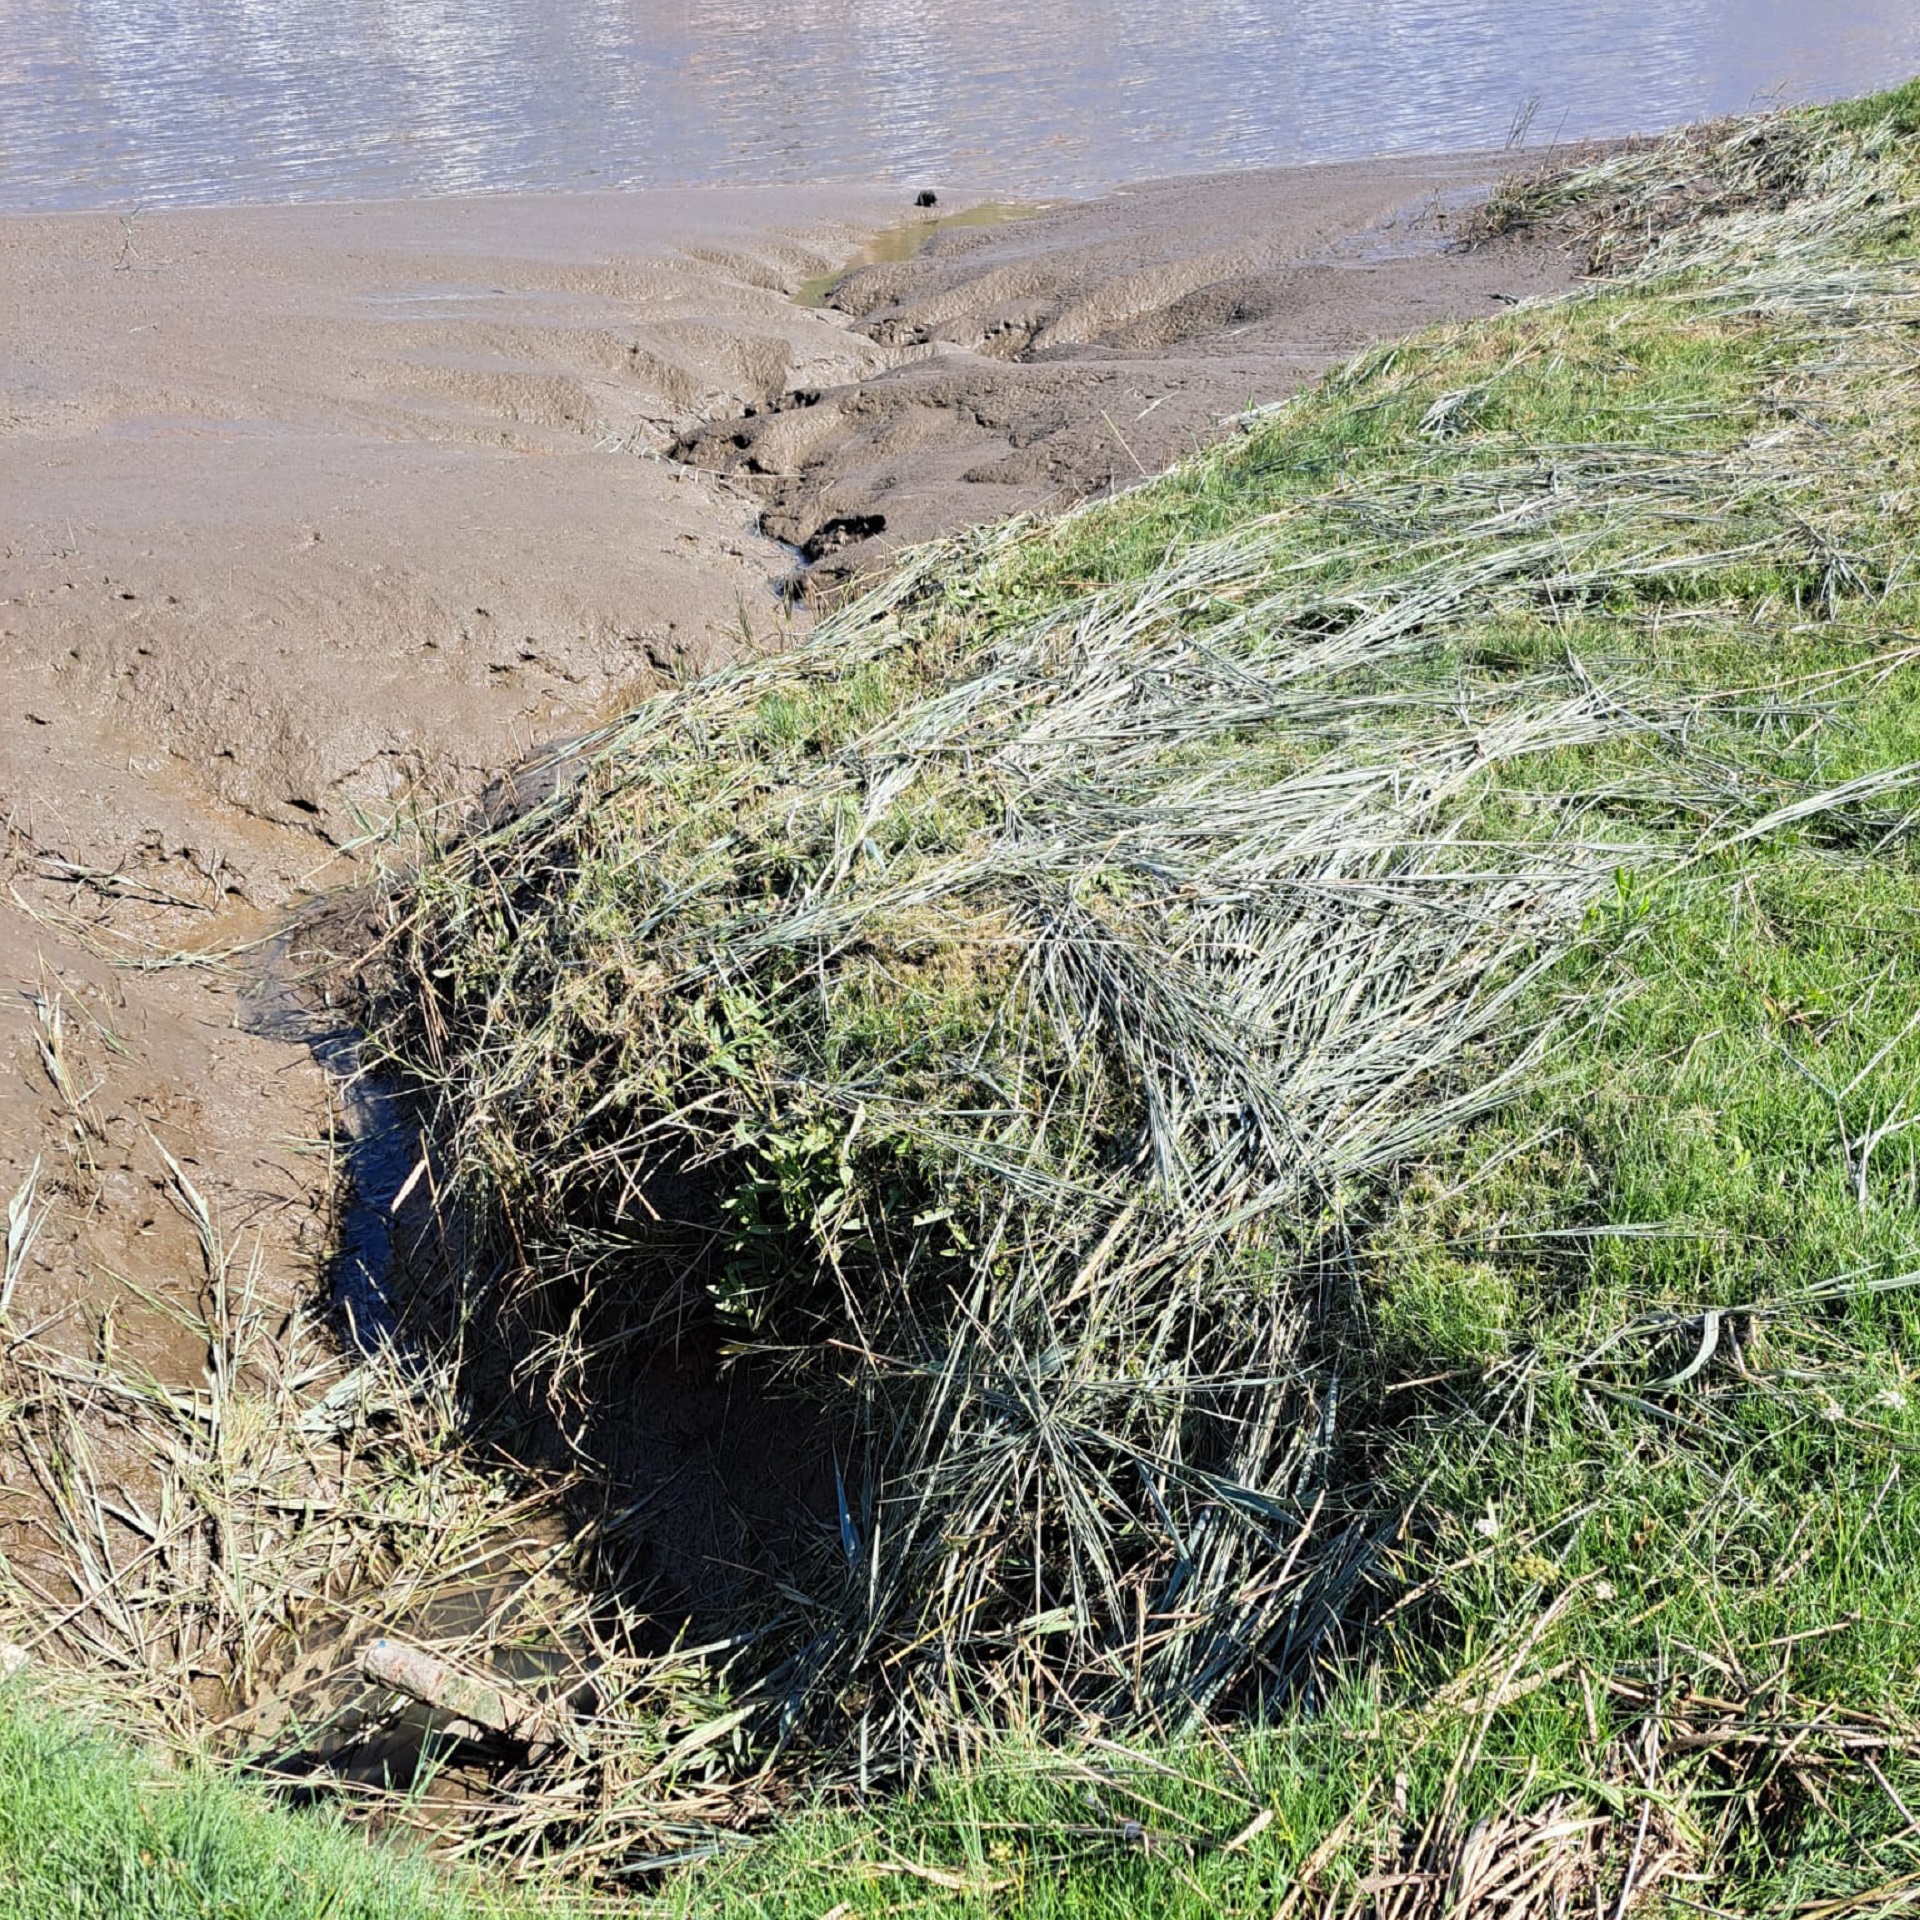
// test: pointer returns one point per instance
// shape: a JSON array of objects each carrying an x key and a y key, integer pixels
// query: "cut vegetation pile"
[{"x": 1043, "y": 1024}]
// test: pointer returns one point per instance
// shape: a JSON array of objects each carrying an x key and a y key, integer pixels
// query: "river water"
[{"x": 115, "y": 103}]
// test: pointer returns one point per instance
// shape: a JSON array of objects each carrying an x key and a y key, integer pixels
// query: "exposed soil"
[
  {"x": 1071, "y": 354},
  {"x": 309, "y": 514}
]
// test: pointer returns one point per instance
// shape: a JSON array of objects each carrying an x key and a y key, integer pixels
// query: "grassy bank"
[
  {"x": 1310, "y": 1073},
  {"x": 1629, "y": 1361},
  {"x": 1303, "y": 1088},
  {"x": 1625, "y": 1365},
  {"x": 91, "y": 1829}
]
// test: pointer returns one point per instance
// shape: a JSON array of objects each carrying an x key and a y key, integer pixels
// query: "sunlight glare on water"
[{"x": 183, "y": 102}]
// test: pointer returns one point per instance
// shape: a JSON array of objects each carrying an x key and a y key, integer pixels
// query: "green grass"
[
  {"x": 1899, "y": 106},
  {"x": 1611, "y": 1504},
  {"x": 1752, "y": 1536},
  {"x": 92, "y": 1830}
]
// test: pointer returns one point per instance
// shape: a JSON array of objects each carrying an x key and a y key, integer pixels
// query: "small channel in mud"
[
  {"x": 382, "y": 1144},
  {"x": 789, "y": 588},
  {"x": 382, "y": 1140},
  {"x": 327, "y": 1726},
  {"x": 683, "y": 1489}
]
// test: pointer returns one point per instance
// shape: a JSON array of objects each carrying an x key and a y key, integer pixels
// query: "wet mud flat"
[
  {"x": 318, "y": 517},
  {"x": 1038, "y": 361},
  {"x": 310, "y": 517}
]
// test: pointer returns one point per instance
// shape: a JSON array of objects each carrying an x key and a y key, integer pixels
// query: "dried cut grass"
[
  {"x": 1769, "y": 192},
  {"x": 1508, "y": 1867},
  {"x": 208, "y": 1562}
]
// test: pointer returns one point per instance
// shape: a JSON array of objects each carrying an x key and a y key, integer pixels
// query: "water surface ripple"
[{"x": 192, "y": 102}]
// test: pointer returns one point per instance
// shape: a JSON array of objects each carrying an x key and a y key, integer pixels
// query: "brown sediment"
[
  {"x": 1070, "y": 354},
  {"x": 306, "y": 515},
  {"x": 309, "y": 515}
]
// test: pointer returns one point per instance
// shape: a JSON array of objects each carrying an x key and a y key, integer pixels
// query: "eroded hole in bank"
[{"x": 674, "y": 1494}]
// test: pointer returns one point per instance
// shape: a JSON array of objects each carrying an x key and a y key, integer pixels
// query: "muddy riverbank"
[
  {"x": 315, "y": 515},
  {"x": 1056, "y": 358}
]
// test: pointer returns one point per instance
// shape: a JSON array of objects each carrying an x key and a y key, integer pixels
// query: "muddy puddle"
[
  {"x": 910, "y": 238},
  {"x": 329, "y": 1729}
]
